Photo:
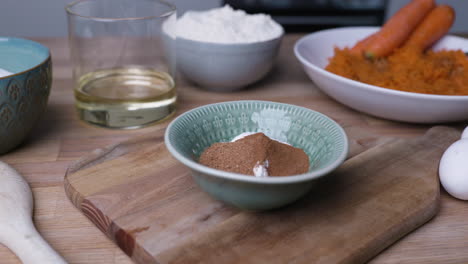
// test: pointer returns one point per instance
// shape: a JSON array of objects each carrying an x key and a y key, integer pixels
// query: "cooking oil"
[{"x": 125, "y": 97}]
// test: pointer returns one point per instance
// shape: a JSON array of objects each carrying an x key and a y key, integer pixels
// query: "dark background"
[{"x": 311, "y": 15}]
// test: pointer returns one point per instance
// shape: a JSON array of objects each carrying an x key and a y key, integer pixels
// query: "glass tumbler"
[{"x": 123, "y": 55}]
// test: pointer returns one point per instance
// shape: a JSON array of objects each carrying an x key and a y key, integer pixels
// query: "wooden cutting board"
[{"x": 147, "y": 203}]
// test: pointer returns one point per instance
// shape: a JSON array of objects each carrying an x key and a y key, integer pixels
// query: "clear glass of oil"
[{"x": 124, "y": 61}]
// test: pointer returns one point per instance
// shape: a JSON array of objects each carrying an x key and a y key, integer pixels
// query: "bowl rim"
[
  {"x": 240, "y": 44},
  {"x": 249, "y": 178},
  {"x": 32, "y": 68},
  {"x": 69, "y": 10},
  {"x": 365, "y": 86},
  {"x": 223, "y": 44}
]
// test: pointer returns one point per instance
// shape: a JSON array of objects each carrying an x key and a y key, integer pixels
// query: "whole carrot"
[
  {"x": 361, "y": 45},
  {"x": 434, "y": 26},
  {"x": 398, "y": 28}
]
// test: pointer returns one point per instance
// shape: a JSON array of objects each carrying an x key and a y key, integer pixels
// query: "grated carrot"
[{"x": 441, "y": 72}]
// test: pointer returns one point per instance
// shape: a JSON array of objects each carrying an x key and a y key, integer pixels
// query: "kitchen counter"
[{"x": 61, "y": 138}]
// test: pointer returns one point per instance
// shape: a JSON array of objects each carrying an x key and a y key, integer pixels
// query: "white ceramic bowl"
[
  {"x": 314, "y": 51},
  {"x": 225, "y": 67}
]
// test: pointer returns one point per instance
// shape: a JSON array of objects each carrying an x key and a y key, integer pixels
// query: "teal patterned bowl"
[
  {"x": 323, "y": 140},
  {"x": 26, "y": 75}
]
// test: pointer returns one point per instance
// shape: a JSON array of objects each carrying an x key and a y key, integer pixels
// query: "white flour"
[
  {"x": 4, "y": 73},
  {"x": 226, "y": 25}
]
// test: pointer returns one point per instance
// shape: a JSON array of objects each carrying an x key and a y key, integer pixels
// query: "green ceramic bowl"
[
  {"x": 24, "y": 92},
  {"x": 324, "y": 141}
]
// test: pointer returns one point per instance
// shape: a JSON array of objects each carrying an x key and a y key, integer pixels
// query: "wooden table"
[{"x": 61, "y": 138}]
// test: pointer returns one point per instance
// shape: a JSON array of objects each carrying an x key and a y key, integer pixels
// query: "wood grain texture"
[
  {"x": 146, "y": 202},
  {"x": 60, "y": 138}
]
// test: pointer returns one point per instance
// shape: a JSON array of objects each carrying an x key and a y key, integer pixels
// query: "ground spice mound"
[
  {"x": 442, "y": 72},
  {"x": 244, "y": 154}
]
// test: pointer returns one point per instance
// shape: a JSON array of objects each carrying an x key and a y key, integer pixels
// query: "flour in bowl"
[
  {"x": 4, "y": 73},
  {"x": 226, "y": 25}
]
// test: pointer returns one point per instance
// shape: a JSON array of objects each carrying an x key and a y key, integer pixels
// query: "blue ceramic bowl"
[
  {"x": 24, "y": 92},
  {"x": 322, "y": 139}
]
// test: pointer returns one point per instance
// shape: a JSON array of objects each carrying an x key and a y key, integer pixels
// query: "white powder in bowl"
[
  {"x": 226, "y": 25},
  {"x": 4, "y": 73}
]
